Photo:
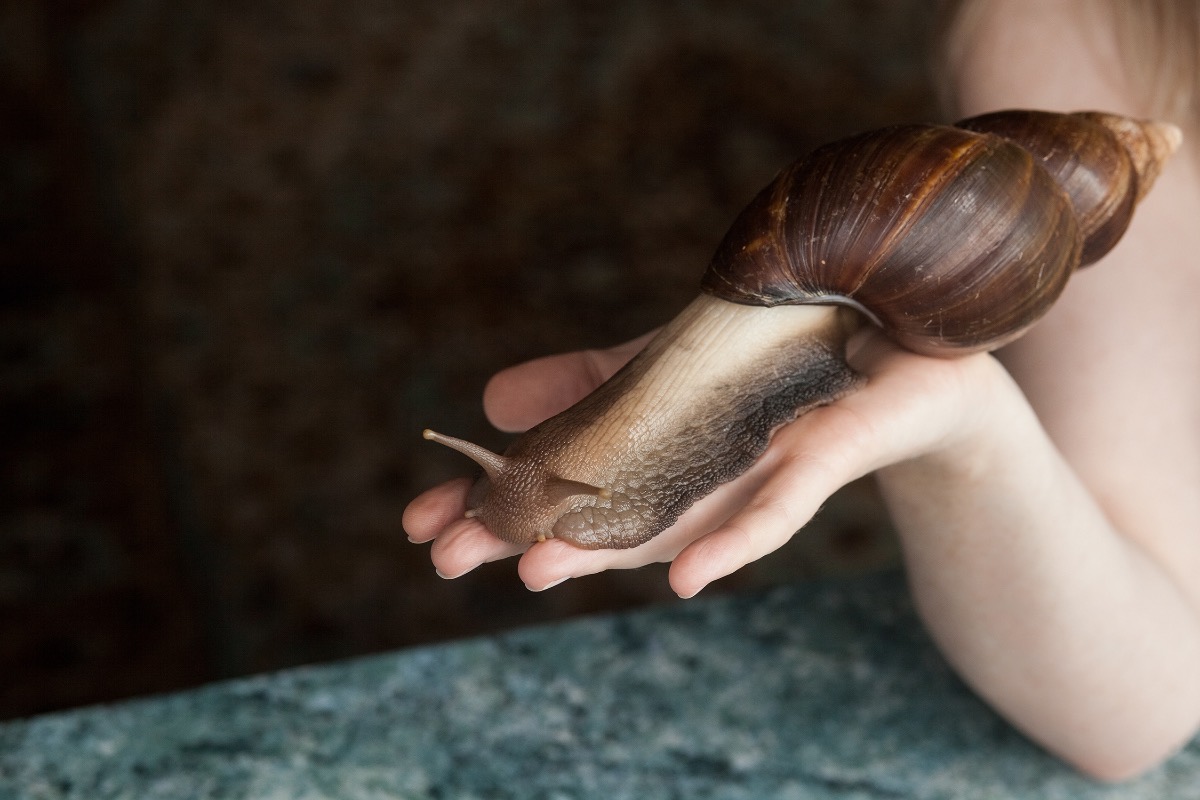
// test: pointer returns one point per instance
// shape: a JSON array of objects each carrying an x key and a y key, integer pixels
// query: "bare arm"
[
  {"x": 1059, "y": 566},
  {"x": 1065, "y": 623}
]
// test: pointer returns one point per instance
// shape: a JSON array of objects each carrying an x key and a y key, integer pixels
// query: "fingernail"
[
  {"x": 690, "y": 596},
  {"x": 444, "y": 576},
  {"x": 550, "y": 585}
]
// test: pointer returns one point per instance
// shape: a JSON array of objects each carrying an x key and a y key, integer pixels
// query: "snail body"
[{"x": 953, "y": 239}]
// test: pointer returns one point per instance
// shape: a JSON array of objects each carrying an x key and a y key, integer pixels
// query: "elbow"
[
  {"x": 1124, "y": 743},
  {"x": 1121, "y": 764},
  {"x": 1115, "y": 772}
]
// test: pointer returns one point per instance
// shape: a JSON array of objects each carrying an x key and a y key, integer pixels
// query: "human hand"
[{"x": 912, "y": 406}]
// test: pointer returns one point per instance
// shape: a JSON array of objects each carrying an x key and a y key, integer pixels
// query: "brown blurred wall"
[{"x": 248, "y": 250}]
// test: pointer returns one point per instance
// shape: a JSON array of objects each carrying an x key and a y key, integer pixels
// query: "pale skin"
[{"x": 1047, "y": 501}]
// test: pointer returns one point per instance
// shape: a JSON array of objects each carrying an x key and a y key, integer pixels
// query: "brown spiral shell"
[{"x": 954, "y": 239}]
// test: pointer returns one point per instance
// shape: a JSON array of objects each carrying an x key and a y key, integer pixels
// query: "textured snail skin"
[
  {"x": 691, "y": 411},
  {"x": 953, "y": 239}
]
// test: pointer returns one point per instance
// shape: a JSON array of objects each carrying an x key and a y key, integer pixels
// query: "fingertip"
[
  {"x": 432, "y": 510},
  {"x": 464, "y": 545},
  {"x": 549, "y": 585},
  {"x": 546, "y": 564},
  {"x": 502, "y": 404},
  {"x": 696, "y": 566},
  {"x": 742, "y": 539},
  {"x": 686, "y": 590}
]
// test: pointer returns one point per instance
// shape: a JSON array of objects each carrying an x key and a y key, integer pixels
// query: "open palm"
[{"x": 911, "y": 406}]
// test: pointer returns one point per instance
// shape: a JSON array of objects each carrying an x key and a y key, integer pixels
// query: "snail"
[{"x": 953, "y": 239}]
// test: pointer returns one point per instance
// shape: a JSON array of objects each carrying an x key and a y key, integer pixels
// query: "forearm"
[{"x": 1051, "y": 614}]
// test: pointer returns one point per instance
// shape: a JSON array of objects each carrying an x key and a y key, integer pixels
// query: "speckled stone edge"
[{"x": 820, "y": 690}]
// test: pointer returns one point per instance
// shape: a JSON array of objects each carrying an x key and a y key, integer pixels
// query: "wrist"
[{"x": 987, "y": 425}]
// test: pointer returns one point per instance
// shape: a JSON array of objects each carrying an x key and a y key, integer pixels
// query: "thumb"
[{"x": 520, "y": 397}]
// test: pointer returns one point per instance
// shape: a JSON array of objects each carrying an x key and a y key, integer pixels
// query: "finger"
[
  {"x": 520, "y": 397},
  {"x": 764, "y": 526},
  {"x": 464, "y": 545},
  {"x": 549, "y": 563},
  {"x": 426, "y": 516},
  {"x": 824, "y": 451}
]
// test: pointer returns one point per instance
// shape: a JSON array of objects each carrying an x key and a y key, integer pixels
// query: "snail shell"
[{"x": 952, "y": 239}]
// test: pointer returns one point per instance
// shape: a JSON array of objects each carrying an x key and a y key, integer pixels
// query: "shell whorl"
[{"x": 952, "y": 238}]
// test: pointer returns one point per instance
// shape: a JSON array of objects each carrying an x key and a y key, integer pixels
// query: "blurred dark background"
[{"x": 249, "y": 249}]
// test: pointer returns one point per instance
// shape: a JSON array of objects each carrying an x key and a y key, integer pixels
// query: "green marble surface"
[{"x": 826, "y": 690}]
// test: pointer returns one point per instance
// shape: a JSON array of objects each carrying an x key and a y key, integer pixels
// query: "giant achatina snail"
[{"x": 952, "y": 239}]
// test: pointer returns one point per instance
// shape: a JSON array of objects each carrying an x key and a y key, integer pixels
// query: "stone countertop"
[{"x": 819, "y": 690}]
